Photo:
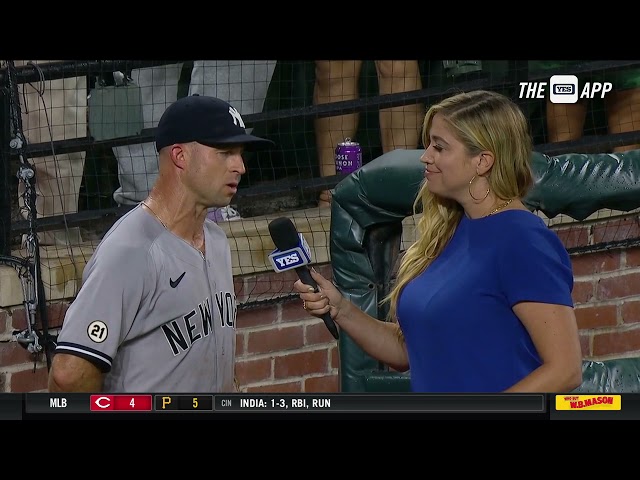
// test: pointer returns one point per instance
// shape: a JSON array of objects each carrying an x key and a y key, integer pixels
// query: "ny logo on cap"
[{"x": 236, "y": 117}]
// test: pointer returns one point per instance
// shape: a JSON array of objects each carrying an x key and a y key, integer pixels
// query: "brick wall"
[
  {"x": 282, "y": 349},
  {"x": 607, "y": 289},
  {"x": 279, "y": 347}
]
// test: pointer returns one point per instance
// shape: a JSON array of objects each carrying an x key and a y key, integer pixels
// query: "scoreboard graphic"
[
  {"x": 78, "y": 403},
  {"x": 529, "y": 406}
]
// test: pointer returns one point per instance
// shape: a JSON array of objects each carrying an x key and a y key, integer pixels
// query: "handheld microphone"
[{"x": 292, "y": 252}]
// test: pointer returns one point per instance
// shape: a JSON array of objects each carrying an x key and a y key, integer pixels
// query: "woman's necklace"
[{"x": 499, "y": 207}]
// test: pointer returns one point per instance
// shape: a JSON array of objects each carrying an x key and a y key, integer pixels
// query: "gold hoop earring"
[{"x": 471, "y": 194}]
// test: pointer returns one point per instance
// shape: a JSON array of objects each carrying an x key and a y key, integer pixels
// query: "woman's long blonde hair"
[{"x": 481, "y": 120}]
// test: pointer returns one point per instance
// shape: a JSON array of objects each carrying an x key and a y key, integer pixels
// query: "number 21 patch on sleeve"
[{"x": 97, "y": 331}]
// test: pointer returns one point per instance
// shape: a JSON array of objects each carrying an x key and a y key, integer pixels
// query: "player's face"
[
  {"x": 216, "y": 173},
  {"x": 448, "y": 166}
]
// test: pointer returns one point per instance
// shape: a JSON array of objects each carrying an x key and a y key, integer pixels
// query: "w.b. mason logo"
[{"x": 236, "y": 117}]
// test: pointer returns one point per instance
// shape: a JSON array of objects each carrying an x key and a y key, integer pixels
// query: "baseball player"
[{"x": 156, "y": 311}]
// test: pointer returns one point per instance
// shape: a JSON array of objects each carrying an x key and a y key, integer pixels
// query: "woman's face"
[{"x": 449, "y": 167}]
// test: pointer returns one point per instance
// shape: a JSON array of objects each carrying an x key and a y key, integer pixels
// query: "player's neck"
[{"x": 178, "y": 214}]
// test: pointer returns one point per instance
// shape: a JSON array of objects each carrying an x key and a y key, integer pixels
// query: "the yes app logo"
[{"x": 564, "y": 89}]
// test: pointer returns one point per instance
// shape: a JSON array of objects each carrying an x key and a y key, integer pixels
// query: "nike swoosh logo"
[{"x": 175, "y": 283}]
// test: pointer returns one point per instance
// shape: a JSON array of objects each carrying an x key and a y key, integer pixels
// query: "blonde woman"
[{"x": 482, "y": 300}]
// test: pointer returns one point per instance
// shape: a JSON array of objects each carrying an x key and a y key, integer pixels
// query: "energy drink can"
[{"x": 348, "y": 157}]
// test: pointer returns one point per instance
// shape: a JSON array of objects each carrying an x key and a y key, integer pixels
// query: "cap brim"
[{"x": 245, "y": 139}]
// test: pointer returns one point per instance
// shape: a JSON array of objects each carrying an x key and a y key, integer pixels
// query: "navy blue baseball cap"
[{"x": 206, "y": 120}]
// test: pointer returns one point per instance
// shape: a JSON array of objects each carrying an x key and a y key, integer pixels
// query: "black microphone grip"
[{"x": 305, "y": 276}]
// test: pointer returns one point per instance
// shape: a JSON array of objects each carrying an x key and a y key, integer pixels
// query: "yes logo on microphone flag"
[{"x": 295, "y": 257}]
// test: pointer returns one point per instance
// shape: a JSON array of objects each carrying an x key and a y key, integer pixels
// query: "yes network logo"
[{"x": 564, "y": 89}]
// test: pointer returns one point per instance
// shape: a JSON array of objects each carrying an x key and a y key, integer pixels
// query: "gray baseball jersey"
[{"x": 153, "y": 313}]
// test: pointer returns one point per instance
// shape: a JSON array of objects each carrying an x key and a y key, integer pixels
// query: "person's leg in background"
[
  {"x": 565, "y": 121},
  {"x": 335, "y": 81},
  {"x": 138, "y": 164},
  {"x": 623, "y": 114},
  {"x": 399, "y": 126},
  {"x": 244, "y": 84},
  {"x": 55, "y": 110}
]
